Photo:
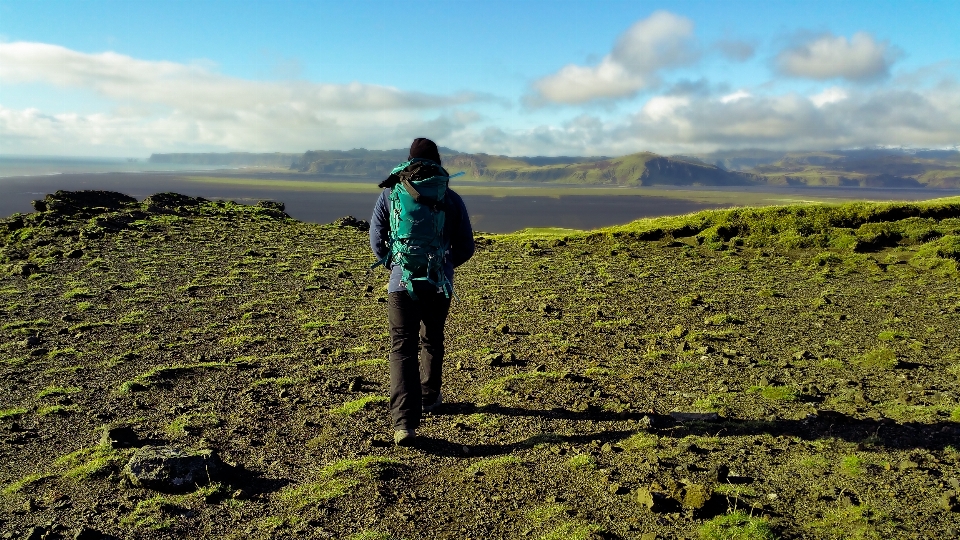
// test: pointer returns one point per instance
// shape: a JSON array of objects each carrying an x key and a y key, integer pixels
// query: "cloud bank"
[
  {"x": 167, "y": 104},
  {"x": 859, "y": 59}
]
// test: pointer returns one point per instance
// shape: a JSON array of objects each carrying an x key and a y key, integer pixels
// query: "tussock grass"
[
  {"x": 334, "y": 480},
  {"x": 882, "y": 358},
  {"x": 355, "y": 406}
]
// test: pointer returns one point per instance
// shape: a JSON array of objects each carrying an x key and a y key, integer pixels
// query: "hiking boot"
[
  {"x": 436, "y": 404},
  {"x": 404, "y": 437}
]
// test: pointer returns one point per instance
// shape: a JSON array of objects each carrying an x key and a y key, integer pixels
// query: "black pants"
[{"x": 416, "y": 352}]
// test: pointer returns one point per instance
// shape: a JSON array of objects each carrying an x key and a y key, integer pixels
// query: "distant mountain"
[
  {"x": 858, "y": 168},
  {"x": 230, "y": 159},
  {"x": 854, "y": 168},
  {"x": 358, "y": 162},
  {"x": 642, "y": 169}
]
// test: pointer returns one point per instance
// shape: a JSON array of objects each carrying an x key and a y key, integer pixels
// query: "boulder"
[
  {"x": 75, "y": 202},
  {"x": 273, "y": 205},
  {"x": 352, "y": 222},
  {"x": 165, "y": 468},
  {"x": 169, "y": 202}
]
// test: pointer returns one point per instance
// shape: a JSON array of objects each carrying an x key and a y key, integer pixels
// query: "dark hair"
[{"x": 424, "y": 149}]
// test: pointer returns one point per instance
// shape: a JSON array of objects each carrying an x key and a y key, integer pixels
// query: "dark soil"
[{"x": 815, "y": 391}]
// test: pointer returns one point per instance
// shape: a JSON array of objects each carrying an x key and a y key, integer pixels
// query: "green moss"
[
  {"x": 281, "y": 382},
  {"x": 851, "y": 465},
  {"x": 639, "y": 441},
  {"x": 18, "y": 485},
  {"x": 184, "y": 424},
  {"x": 355, "y": 406},
  {"x": 514, "y": 381},
  {"x": 581, "y": 461},
  {"x": 776, "y": 393},
  {"x": 332, "y": 481},
  {"x": 849, "y": 522},
  {"x": 12, "y": 413},
  {"x": 57, "y": 391},
  {"x": 498, "y": 463},
  {"x": 26, "y": 325},
  {"x": 736, "y": 526},
  {"x": 91, "y": 462},
  {"x": 57, "y": 410},
  {"x": 882, "y": 358}
]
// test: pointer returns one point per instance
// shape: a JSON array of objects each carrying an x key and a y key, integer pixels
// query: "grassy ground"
[{"x": 822, "y": 337}]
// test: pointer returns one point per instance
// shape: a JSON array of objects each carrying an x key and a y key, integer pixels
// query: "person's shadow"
[{"x": 883, "y": 433}]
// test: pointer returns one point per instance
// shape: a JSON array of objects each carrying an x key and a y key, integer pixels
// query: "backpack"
[{"x": 417, "y": 215}]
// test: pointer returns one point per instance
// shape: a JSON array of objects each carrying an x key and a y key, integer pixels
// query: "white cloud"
[
  {"x": 828, "y": 96},
  {"x": 861, "y": 58},
  {"x": 662, "y": 40},
  {"x": 169, "y": 105},
  {"x": 660, "y": 107},
  {"x": 736, "y": 96},
  {"x": 667, "y": 124}
]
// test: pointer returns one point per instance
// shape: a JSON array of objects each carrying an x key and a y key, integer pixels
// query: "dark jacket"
[{"x": 457, "y": 231}]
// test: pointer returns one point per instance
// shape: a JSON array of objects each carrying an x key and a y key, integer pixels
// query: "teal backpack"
[{"x": 417, "y": 216}]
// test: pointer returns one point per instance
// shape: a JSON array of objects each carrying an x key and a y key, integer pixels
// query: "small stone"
[
  {"x": 503, "y": 329},
  {"x": 948, "y": 501},
  {"x": 606, "y": 448},
  {"x": 459, "y": 365},
  {"x": 648, "y": 499},
  {"x": 696, "y": 496},
  {"x": 648, "y": 536},
  {"x": 355, "y": 384},
  {"x": 803, "y": 355},
  {"x": 119, "y": 437},
  {"x": 74, "y": 254},
  {"x": 907, "y": 464},
  {"x": 239, "y": 494},
  {"x": 31, "y": 341},
  {"x": 29, "y": 506},
  {"x": 617, "y": 489},
  {"x": 493, "y": 359},
  {"x": 645, "y": 422},
  {"x": 719, "y": 473}
]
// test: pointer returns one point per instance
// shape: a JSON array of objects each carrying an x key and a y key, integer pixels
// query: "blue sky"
[{"x": 517, "y": 78}]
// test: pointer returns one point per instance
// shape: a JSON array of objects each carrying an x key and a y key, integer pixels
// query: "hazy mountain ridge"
[
  {"x": 839, "y": 168},
  {"x": 235, "y": 159}
]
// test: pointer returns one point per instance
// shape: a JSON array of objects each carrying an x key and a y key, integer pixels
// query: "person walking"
[{"x": 421, "y": 231}]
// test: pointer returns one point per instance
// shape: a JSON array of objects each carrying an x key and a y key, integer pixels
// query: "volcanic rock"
[{"x": 164, "y": 468}]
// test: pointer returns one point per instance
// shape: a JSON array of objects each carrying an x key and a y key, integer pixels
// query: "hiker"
[{"x": 420, "y": 230}]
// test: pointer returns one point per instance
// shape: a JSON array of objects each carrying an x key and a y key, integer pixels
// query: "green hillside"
[{"x": 642, "y": 169}]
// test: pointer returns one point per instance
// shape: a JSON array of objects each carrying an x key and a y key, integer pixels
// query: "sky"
[{"x": 520, "y": 77}]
